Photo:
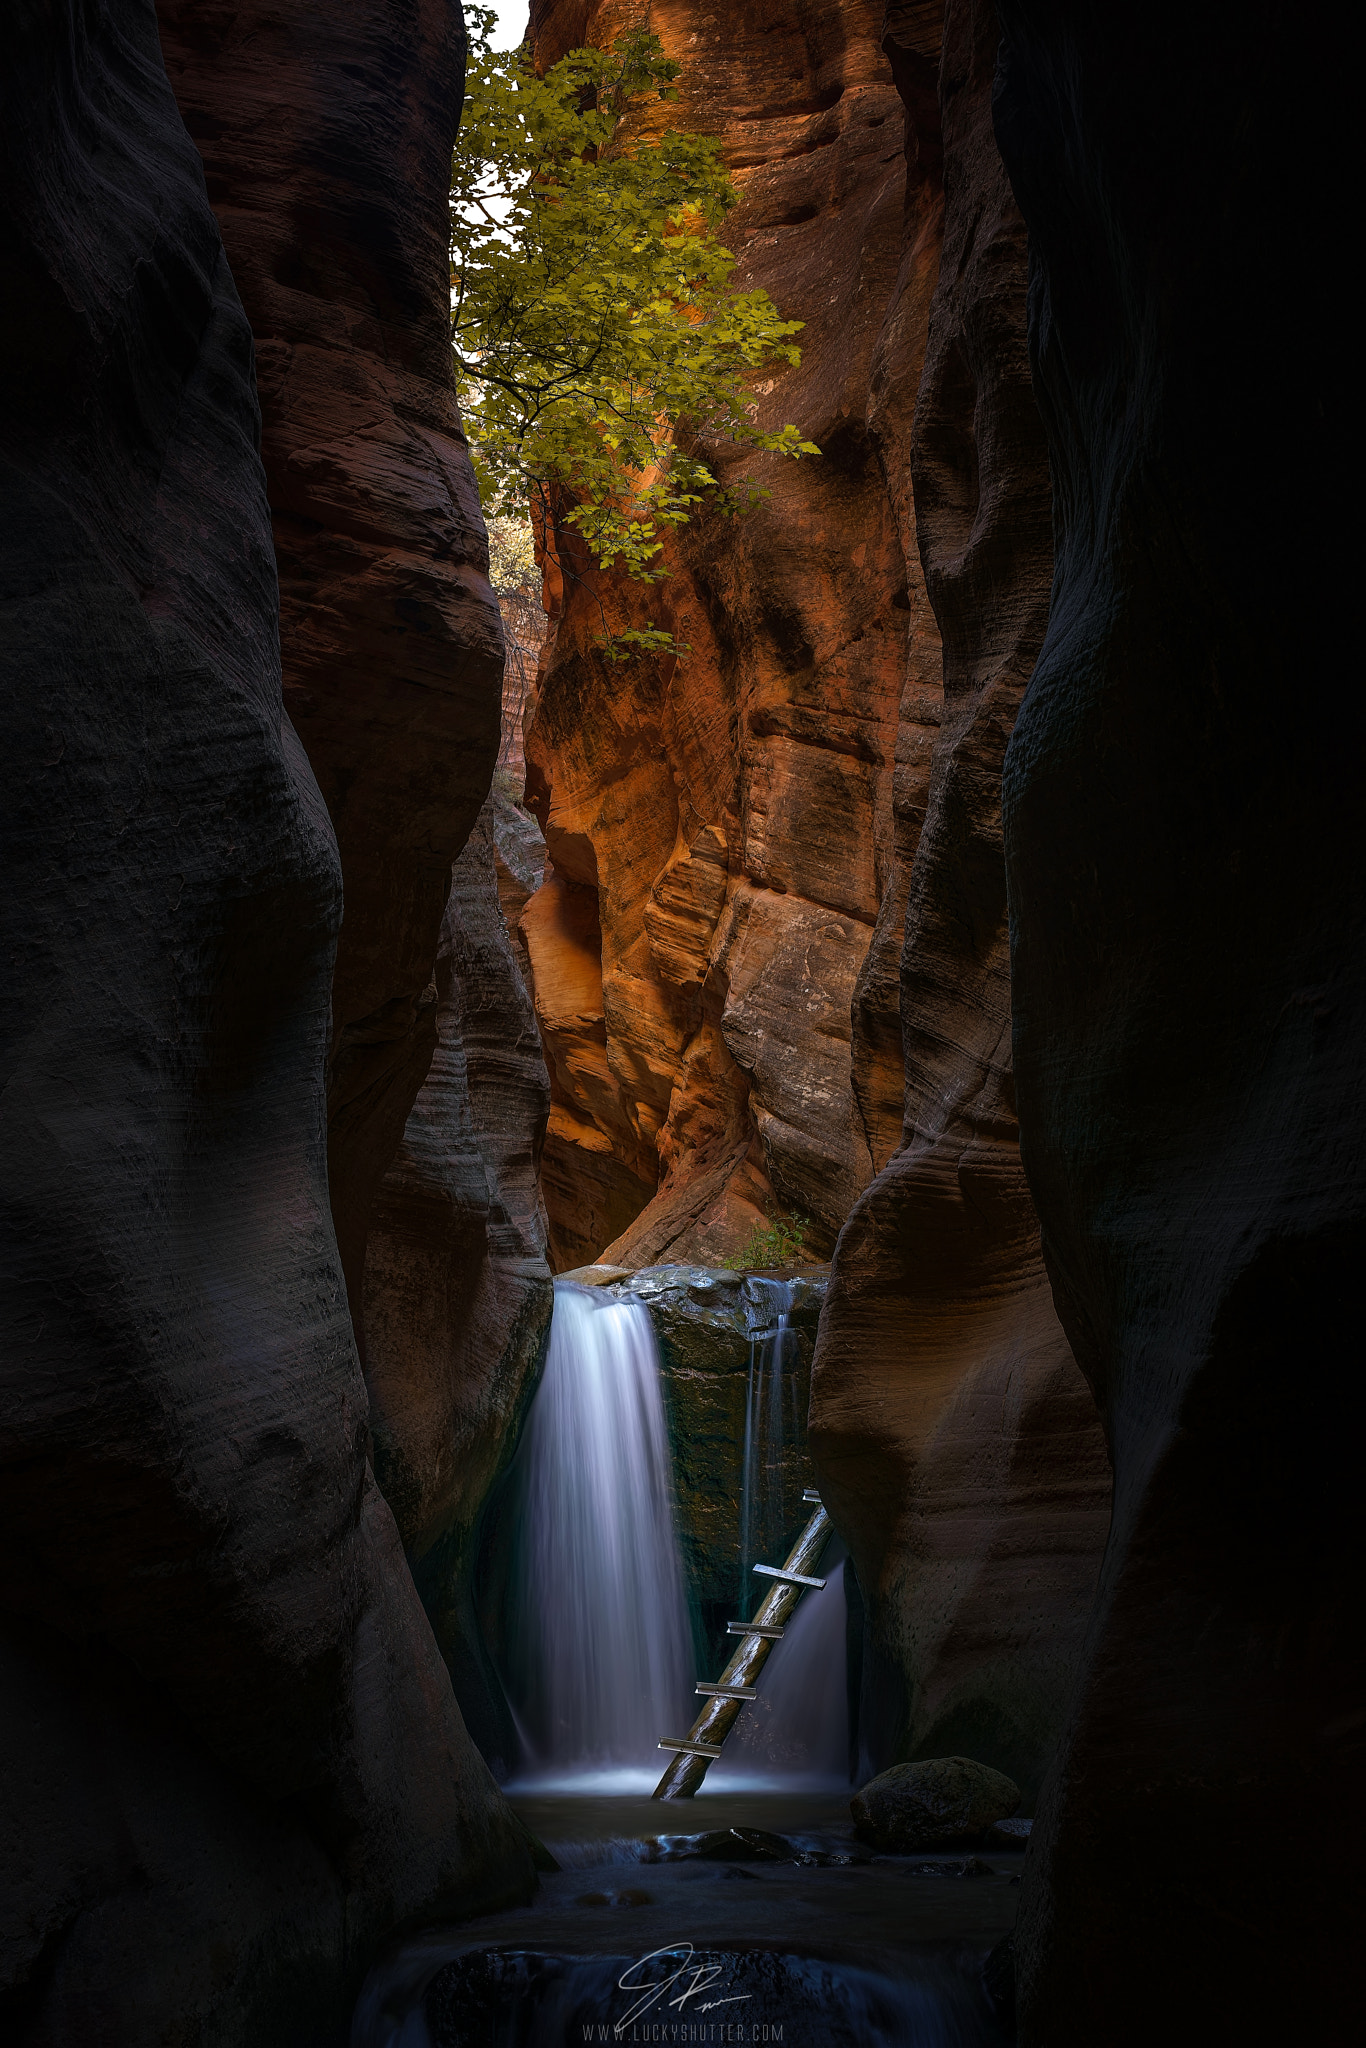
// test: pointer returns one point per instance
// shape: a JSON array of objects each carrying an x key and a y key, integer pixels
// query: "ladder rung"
[
  {"x": 730, "y": 1692},
  {"x": 775, "y": 1571},
  {"x": 767, "y": 1630},
  {"x": 689, "y": 1748}
]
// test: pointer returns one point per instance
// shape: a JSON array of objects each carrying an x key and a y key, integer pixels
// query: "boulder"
[{"x": 932, "y": 1805}]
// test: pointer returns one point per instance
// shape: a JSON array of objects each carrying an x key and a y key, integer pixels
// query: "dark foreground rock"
[
  {"x": 957, "y": 1446},
  {"x": 231, "y": 1758},
  {"x": 932, "y": 1805},
  {"x": 458, "y": 1296},
  {"x": 1185, "y": 854},
  {"x": 326, "y": 136}
]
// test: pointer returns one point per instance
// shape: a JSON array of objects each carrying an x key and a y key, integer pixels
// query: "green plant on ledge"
[{"x": 783, "y": 1243}]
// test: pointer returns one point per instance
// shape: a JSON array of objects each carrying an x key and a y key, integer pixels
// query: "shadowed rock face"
[
  {"x": 326, "y": 136},
  {"x": 457, "y": 1291},
  {"x": 1183, "y": 835},
  {"x": 712, "y": 976},
  {"x": 958, "y": 1447},
  {"x": 232, "y": 1759}
]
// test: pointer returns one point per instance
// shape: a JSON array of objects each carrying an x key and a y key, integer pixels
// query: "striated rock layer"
[
  {"x": 458, "y": 1296},
  {"x": 231, "y": 1757},
  {"x": 957, "y": 1444},
  {"x": 326, "y": 137},
  {"x": 710, "y": 957},
  {"x": 1183, "y": 834}
]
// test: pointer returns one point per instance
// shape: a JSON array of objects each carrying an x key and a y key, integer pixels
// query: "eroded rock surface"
[
  {"x": 1184, "y": 846},
  {"x": 724, "y": 830},
  {"x": 326, "y": 136},
  {"x": 458, "y": 1295},
  {"x": 935, "y": 1804},
  {"x": 232, "y": 1760},
  {"x": 958, "y": 1448}
]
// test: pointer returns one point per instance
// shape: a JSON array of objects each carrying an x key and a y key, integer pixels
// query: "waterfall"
[
  {"x": 796, "y": 1734},
  {"x": 604, "y": 1648},
  {"x": 773, "y": 1425}
]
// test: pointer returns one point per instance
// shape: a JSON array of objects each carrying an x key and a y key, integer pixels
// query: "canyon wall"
[
  {"x": 326, "y": 136},
  {"x": 724, "y": 830},
  {"x": 1185, "y": 856},
  {"x": 957, "y": 1444},
  {"x": 232, "y": 1761},
  {"x": 458, "y": 1296},
  {"x": 326, "y": 141}
]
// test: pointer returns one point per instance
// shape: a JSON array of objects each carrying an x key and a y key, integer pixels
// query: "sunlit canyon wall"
[{"x": 780, "y": 858}]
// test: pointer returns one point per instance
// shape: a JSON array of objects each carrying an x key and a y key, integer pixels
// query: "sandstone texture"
[
  {"x": 957, "y": 1445},
  {"x": 458, "y": 1295},
  {"x": 232, "y": 1761},
  {"x": 714, "y": 974},
  {"x": 1185, "y": 855},
  {"x": 936, "y": 1804},
  {"x": 326, "y": 136}
]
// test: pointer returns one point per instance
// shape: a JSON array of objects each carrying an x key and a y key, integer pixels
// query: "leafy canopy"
[{"x": 591, "y": 305}]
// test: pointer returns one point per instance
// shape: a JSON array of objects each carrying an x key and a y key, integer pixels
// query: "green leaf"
[{"x": 592, "y": 305}]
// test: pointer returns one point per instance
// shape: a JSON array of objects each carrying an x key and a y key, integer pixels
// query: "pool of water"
[{"x": 882, "y": 1952}]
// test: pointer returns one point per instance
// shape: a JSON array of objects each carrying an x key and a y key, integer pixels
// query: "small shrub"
[{"x": 783, "y": 1243}]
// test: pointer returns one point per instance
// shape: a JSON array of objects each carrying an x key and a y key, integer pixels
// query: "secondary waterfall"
[
  {"x": 773, "y": 1424},
  {"x": 603, "y": 1644}
]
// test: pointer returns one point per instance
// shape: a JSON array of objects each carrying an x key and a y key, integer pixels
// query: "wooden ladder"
[{"x": 695, "y": 1751}]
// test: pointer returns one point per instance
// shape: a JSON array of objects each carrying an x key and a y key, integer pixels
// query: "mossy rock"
[
  {"x": 937, "y": 1804},
  {"x": 705, "y": 1319}
]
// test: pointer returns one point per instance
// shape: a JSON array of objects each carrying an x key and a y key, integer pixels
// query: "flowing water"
[
  {"x": 773, "y": 1428},
  {"x": 602, "y": 1645},
  {"x": 796, "y": 1734}
]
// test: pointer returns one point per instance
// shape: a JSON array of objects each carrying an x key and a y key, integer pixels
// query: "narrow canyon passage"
[{"x": 681, "y": 1154}]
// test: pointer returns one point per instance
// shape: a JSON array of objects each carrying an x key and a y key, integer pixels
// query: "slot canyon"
[{"x": 870, "y": 1095}]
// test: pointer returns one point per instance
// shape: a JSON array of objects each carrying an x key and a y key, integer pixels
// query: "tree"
[{"x": 598, "y": 342}]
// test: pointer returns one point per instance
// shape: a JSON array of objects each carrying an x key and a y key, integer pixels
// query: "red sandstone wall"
[{"x": 724, "y": 830}]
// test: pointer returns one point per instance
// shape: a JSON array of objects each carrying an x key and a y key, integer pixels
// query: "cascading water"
[
  {"x": 773, "y": 1423},
  {"x": 602, "y": 1644},
  {"x": 798, "y": 1728}
]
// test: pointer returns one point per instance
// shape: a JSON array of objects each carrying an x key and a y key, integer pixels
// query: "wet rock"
[
  {"x": 967, "y": 1866},
  {"x": 1008, "y": 1834},
  {"x": 745, "y": 1845},
  {"x": 923, "y": 1805},
  {"x": 998, "y": 1979}
]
